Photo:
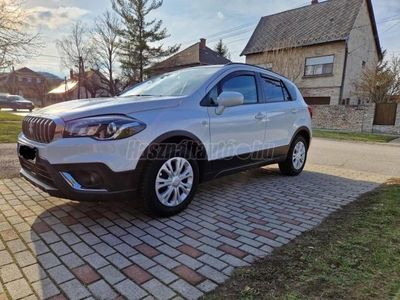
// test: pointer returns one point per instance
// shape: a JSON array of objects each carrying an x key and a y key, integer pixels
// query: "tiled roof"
[
  {"x": 193, "y": 55},
  {"x": 327, "y": 21}
]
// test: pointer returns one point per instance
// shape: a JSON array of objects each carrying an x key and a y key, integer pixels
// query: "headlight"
[{"x": 103, "y": 128}]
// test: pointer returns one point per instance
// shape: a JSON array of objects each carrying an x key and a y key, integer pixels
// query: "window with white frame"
[
  {"x": 29, "y": 79},
  {"x": 322, "y": 65},
  {"x": 38, "y": 80}
]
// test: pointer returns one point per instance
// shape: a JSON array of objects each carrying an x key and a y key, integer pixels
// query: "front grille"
[
  {"x": 39, "y": 129},
  {"x": 37, "y": 169}
]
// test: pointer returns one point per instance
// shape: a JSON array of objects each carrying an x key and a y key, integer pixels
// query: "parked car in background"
[
  {"x": 15, "y": 102},
  {"x": 166, "y": 135}
]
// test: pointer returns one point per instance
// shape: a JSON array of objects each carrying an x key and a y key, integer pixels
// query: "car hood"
[{"x": 76, "y": 109}]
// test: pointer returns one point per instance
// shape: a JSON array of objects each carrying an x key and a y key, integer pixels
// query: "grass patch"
[
  {"x": 10, "y": 127},
  {"x": 5, "y": 116},
  {"x": 354, "y": 136},
  {"x": 9, "y": 131},
  {"x": 353, "y": 254}
]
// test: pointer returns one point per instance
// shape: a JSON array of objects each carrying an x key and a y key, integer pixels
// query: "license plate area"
[{"x": 29, "y": 153}]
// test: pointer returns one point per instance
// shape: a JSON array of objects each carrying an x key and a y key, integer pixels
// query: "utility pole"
[{"x": 80, "y": 64}]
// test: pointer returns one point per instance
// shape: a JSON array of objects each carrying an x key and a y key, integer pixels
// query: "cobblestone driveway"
[{"x": 63, "y": 249}]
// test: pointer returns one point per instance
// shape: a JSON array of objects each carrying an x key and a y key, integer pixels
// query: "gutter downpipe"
[{"x": 344, "y": 69}]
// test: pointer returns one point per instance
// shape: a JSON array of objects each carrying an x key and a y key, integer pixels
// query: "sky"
[{"x": 186, "y": 22}]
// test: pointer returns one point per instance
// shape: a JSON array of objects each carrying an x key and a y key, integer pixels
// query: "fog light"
[{"x": 84, "y": 180}]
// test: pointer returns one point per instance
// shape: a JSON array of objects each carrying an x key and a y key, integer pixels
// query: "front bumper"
[{"x": 49, "y": 178}]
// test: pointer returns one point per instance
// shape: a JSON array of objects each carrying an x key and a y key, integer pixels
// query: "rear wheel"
[
  {"x": 296, "y": 157},
  {"x": 170, "y": 180}
]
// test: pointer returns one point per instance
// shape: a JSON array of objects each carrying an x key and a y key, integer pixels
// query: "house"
[
  {"x": 322, "y": 47},
  {"x": 197, "y": 54},
  {"x": 26, "y": 83},
  {"x": 92, "y": 86}
]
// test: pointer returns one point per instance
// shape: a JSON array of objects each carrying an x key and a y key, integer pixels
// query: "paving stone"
[
  {"x": 95, "y": 260},
  {"x": 131, "y": 240},
  {"x": 86, "y": 274},
  {"x": 119, "y": 261},
  {"x": 103, "y": 249},
  {"x": 207, "y": 286},
  {"x": 211, "y": 251},
  {"x": 159, "y": 290},
  {"x": 125, "y": 250},
  {"x": 60, "y": 274},
  {"x": 74, "y": 289},
  {"x": 101, "y": 290},
  {"x": 143, "y": 261},
  {"x": 165, "y": 261},
  {"x": 188, "y": 261},
  {"x": 111, "y": 239},
  {"x": 34, "y": 273},
  {"x": 48, "y": 260},
  {"x": 147, "y": 250},
  {"x": 24, "y": 258},
  {"x": 130, "y": 290},
  {"x": 10, "y": 272},
  {"x": 18, "y": 289},
  {"x": 60, "y": 248},
  {"x": 214, "y": 262},
  {"x": 38, "y": 247},
  {"x": 72, "y": 260},
  {"x": 111, "y": 274},
  {"x": 16, "y": 246},
  {"x": 188, "y": 274},
  {"x": 193, "y": 252},
  {"x": 212, "y": 274},
  {"x": 70, "y": 238},
  {"x": 137, "y": 274},
  {"x": 163, "y": 274},
  {"x": 186, "y": 289},
  {"x": 45, "y": 289},
  {"x": 168, "y": 250},
  {"x": 90, "y": 239},
  {"x": 82, "y": 249}
]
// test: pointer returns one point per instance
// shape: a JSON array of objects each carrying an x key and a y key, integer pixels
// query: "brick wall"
[{"x": 344, "y": 117}]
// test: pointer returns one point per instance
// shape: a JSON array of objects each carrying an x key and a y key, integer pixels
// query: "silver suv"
[{"x": 163, "y": 137}]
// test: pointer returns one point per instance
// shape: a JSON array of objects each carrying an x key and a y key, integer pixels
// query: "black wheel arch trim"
[{"x": 302, "y": 128}]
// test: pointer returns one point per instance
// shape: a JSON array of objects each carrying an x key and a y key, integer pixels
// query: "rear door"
[{"x": 282, "y": 114}]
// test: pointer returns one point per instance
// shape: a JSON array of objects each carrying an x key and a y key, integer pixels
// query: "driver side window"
[{"x": 244, "y": 84}]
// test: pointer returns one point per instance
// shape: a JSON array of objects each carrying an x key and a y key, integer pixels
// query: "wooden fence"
[{"x": 385, "y": 114}]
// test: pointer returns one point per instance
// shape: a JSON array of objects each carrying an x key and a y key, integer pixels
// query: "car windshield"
[{"x": 178, "y": 83}]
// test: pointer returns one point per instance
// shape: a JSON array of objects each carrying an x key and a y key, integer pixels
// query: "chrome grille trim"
[{"x": 42, "y": 129}]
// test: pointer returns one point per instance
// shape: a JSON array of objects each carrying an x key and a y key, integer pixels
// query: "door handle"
[
  {"x": 294, "y": 111},
  {"x": 260, "y": 116}
]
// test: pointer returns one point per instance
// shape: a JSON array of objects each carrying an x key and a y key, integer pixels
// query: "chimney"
[
  {"x": 71, "y": 74},
  {"x": 203, "y": 43},
  {"x": 314, "y": 1}
]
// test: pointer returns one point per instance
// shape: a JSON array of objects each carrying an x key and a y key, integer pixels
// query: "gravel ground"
[{"x": 9, "y": 165}]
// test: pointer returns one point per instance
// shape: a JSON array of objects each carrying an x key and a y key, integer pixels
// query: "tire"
[
  {"x": 167, "y": 199},
  {"x": 296, "y": 157}
]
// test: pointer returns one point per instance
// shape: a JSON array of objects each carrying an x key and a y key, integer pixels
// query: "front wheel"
[
  {"x": 296, "y": 157},
  {"x": 170, "y": 180}
]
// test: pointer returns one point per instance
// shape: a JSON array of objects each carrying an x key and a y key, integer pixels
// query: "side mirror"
[{"x": 228, "y": 99}]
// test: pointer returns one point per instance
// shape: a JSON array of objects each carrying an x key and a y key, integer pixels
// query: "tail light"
[{"x": 310, "y": 110}]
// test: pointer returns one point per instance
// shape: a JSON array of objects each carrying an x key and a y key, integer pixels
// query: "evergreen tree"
[
  {"x": 136, "y": 33},
  {"x": 222, "y": 49}
]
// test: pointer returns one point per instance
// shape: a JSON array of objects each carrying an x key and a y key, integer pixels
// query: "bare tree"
[
  {"x": 379, "y": 83},
  {"x": 76, "y": 51},
  {"x": 285, "y": 58},
  {"x": 17, "y": 40},
  {"x": 106, "y": 46}
]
